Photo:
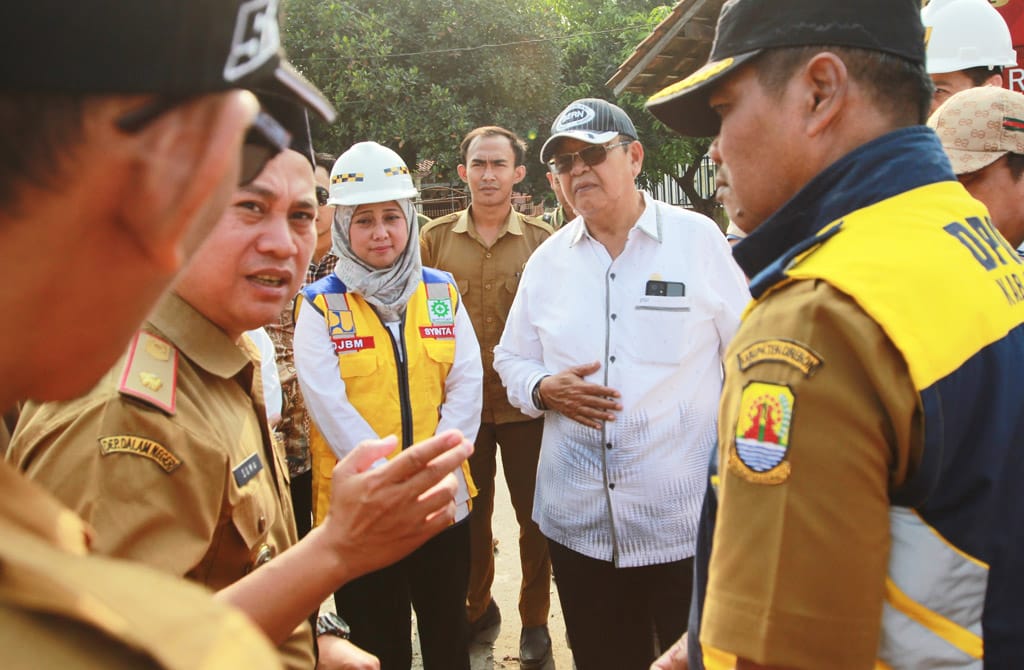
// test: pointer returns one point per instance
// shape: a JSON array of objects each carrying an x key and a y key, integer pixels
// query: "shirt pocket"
[
  {"x": 506, "y": 294},
  {"x": 661, "y": 325},
  {"x": 357, "y": 365},
  {"x": 440, "y": 351},
  {"x": 252, "y": 520}
]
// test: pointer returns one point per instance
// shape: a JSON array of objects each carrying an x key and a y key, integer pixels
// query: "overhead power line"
[{"x": 475, "y": 47}]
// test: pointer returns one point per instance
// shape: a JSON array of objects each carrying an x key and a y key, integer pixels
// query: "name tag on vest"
[
  {"x": 247, "y": 469},
  {"x": 437, "y": 332},
  {"x": 343, "y": 344}
]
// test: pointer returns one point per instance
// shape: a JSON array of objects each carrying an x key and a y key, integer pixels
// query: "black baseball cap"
[
  {"x": 176, "y": 48},
  {"x": 293, "y": 118},
  {"x": 591, "y": 120},
  {"x": 748, "y": 27}
]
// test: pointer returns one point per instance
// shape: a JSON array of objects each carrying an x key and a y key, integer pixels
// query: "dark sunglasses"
[
  {"x": 591, "y": 156},
  {"x": 321, "y": 195},
  {"x": 265, "y": 138}
]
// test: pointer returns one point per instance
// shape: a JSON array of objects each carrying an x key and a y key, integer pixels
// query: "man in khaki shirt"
[
  {"x": 170, "y": 458},
  {"x": 485, "y": 248}
]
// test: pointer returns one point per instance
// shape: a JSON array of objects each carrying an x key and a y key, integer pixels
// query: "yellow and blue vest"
[
  {"x": 400, "y": 395},
  {"x": 889, "y": 226}
]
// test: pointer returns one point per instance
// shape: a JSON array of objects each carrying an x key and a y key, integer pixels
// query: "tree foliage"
[{"x": 418, "y": 75}]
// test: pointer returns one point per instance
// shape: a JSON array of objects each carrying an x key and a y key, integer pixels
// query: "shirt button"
[
  {"x": 612, "y": 359},
  {"x": 612, "y": 275},
  {"x": 612, "y": 485},
  {"x": 262, "y": 525},
  {"x": 487, "y": 286},
  {"x": 609, "y": 445},
  {"x": 613, "y": 317},
  {"x": 487, "y": 255},
  {"x": 490, "y": 319}
]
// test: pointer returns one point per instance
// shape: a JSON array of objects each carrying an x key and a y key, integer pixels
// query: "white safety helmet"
[
  {"x": 965, "y": 33},
  {"x": 369, "y": 172}
]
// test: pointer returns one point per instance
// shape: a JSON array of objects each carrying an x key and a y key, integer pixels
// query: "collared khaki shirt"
[
  {"x": 170, "y": 458},
  {"x": 63, "y": 608},
  {"x": 488, "y": 277}
]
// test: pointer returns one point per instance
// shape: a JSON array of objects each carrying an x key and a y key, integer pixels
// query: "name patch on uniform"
[
  {"x": 140, "y": 446},
  {"x": 758, "y": 453},
  {"x": 780, "y": 351},
  {"x": 247, "y": 469},
  {"x": 341, "y": 345},
  {"x": 437, "y": 332}
]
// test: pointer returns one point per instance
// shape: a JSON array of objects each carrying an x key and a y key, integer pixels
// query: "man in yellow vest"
[{"x": 868, "y": 472}]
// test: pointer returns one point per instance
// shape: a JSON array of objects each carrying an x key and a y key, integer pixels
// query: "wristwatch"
[
  {"x": 330, "y": 623},
  {"x": 538, "y": 402}
]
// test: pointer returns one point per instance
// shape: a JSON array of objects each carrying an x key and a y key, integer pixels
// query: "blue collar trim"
[{"x": 894, "y": 163}]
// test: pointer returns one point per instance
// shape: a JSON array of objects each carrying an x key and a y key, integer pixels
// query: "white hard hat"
[
  {"x": 966, "y": 33},
  {"x": 369, "y": 172}
]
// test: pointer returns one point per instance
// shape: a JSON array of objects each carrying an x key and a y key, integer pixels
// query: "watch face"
[{"x": 330, "y": 623}]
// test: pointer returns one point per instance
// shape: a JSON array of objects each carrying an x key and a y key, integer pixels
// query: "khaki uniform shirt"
[
  {"x": 810, "y": 371},
  {"x": 62, "y": 608},
  {"x": 173, "y": 469},
  {"x": 488, "y": 278}
]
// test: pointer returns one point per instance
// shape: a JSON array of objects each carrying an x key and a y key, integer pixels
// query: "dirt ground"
[{"x": 503, "y": 654}]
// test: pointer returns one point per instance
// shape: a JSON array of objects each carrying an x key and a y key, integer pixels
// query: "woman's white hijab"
[{"x": 388, "y": 289}]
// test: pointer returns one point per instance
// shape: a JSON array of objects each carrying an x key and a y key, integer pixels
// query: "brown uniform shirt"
[
  {"x": 808, "y": 370},
  {"x": 62, "y": 608},
  {"x": 175, "y": 470},
  {"x": 488, "y": 278}
]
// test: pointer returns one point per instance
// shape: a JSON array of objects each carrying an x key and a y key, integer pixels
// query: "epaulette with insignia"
[{"x": 151, "y": 372}]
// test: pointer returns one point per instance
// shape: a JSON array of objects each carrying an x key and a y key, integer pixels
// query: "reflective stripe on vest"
[{"x": 933, "y": 590}]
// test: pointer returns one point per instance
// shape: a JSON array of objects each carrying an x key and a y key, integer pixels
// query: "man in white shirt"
[{"x": 626, "y": 366}]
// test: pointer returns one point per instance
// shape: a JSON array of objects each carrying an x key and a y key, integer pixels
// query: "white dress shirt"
[
  {"x": 272, "y": 397},
  {"x": 341, "y": 424},
  {"x": 631, "y": 492}
]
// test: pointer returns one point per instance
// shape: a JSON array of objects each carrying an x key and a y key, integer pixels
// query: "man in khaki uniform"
[
  {"x": 485, "y": 248},
  {"x": 142, "y": 148}
]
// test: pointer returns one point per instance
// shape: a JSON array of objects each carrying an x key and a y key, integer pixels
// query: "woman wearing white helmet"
[{"x": 383, "y": 346}]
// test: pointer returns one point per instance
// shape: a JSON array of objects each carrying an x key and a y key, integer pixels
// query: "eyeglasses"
[
  {"x": 265, "y": 138},
  {"x": 321, "y": 195},
  {"x": 591, "y": 156}
]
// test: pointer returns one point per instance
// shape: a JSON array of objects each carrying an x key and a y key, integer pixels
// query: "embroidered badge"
[
  {"x": 247, "y": 469},
  {"x": 340, "y": 323},
  {"x": 439, "y": 305},
  {"x": 762, "y": 434},
  {"x": 140, "y": 446},
  {"x": 780, "y": 351}
]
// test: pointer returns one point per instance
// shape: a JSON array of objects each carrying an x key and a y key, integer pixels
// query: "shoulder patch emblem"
[
  {"x": 780, "y": 351},
  {"x": 758, "y": 453},
  {"x": 151, "y": 372},
  {"x": 140, "y": 446}
]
